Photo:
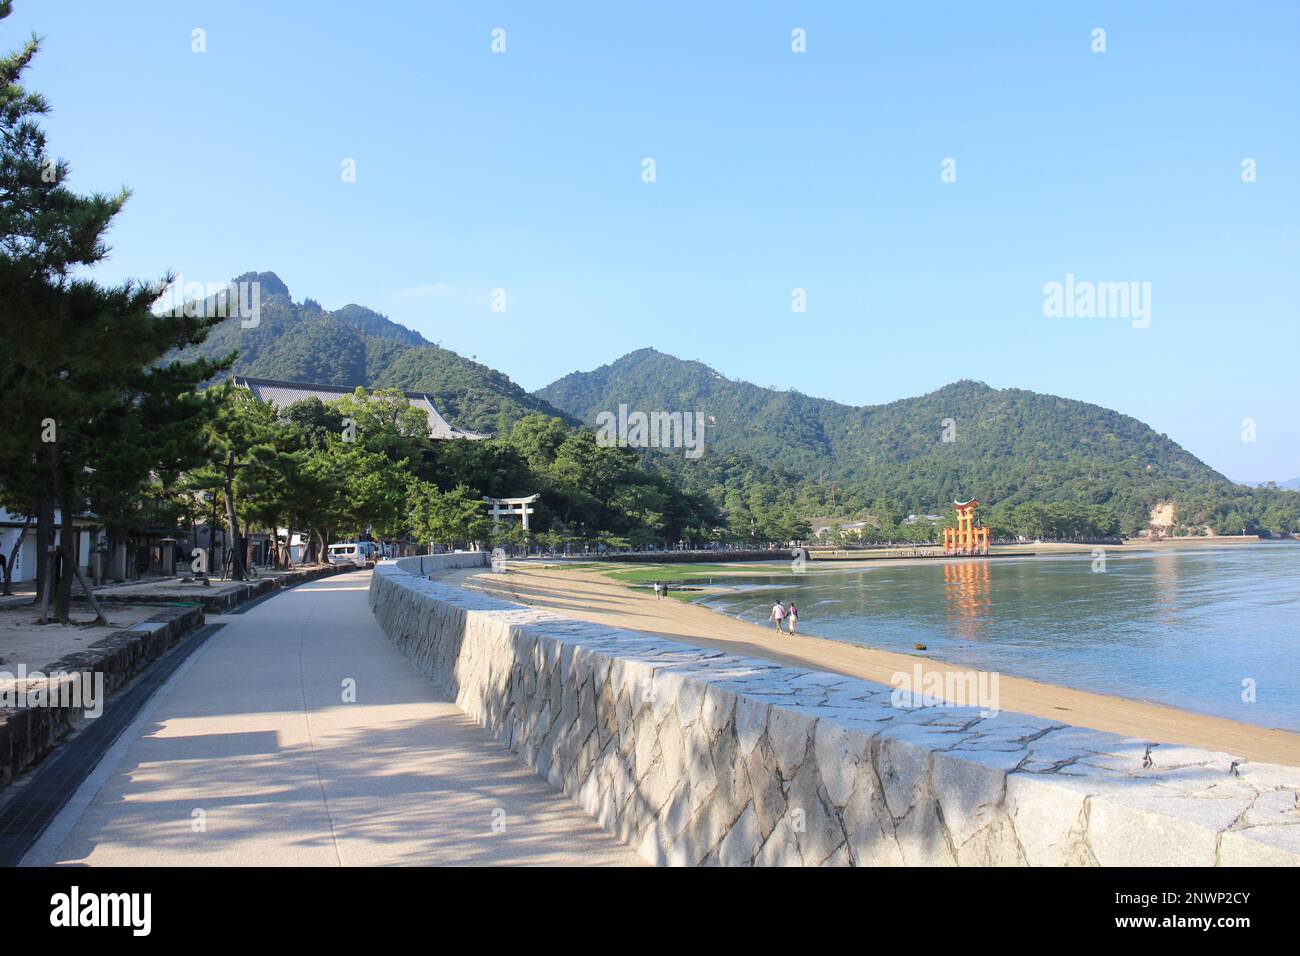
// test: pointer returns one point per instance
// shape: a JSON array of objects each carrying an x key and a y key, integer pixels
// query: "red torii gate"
[{"x": 967, "y": 537}]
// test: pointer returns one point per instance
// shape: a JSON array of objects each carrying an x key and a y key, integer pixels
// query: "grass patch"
[
  {"x": 649, "y": 574},
  {"x": 686, "y": 597}
]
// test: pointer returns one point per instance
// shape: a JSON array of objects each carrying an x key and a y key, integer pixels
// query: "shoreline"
[
  {"x": 591, "y": 596},
  {"x": 720, "y": 567}
]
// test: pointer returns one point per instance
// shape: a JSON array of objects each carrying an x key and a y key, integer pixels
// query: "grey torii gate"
[{"x": 510, "y": 506}]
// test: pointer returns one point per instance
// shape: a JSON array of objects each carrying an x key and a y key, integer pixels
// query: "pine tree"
[
  {"x": 242, "y": 437},
  {"x": 79, "y": 362}
]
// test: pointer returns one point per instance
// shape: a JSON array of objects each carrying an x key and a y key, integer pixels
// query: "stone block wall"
[
  {"x": 426, "y": 564},
  {"x": 27, "y": 734},
  {"x": 694, "y": 756},
  {"x": 228, "y": 595}
]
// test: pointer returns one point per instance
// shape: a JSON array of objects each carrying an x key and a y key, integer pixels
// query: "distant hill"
[
  {"x": 354, "y": 345},
  {"x": 1009, "y": 445}
]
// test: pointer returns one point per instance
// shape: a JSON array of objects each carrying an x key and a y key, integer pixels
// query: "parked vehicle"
[{"x": 360, "y": 553}]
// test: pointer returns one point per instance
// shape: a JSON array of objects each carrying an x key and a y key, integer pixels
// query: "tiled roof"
[{"x": 284, "y": 394}]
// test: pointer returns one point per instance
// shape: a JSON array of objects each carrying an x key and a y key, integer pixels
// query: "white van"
[{"x": 360, "y": 553}]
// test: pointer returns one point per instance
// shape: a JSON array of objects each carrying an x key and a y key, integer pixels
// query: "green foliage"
[
  {"x": 769, "y": 452},
  {"x": 1058, "y": 520},
  {"x": 450, "y": 517},
  {"x": 92, "y": 417},
  {"x": 307, "y": 468}
]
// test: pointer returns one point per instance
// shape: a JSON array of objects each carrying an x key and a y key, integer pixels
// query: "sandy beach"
[{"x": 589, "y": 595}]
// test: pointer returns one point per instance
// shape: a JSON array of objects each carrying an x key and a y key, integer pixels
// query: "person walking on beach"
[
  {"x": 778, "y": 615},
  {"x": 792, "y": 613}
]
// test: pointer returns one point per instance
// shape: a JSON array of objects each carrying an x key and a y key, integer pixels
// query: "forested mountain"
[
  {"x": 774, "y": 459},
  {"x": 302, "y": 342},
  {"x": 368, "y": 322},
  {"x": 1004, "y": 446}
]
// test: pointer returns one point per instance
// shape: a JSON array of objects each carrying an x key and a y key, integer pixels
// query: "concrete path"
[{"x": 250, "y": 756}]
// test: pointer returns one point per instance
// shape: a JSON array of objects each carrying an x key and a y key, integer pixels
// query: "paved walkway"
[{"x": 250, "y": 756}]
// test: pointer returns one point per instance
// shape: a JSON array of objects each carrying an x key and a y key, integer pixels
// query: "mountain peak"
[
  {"x": 271, "y": 283},
  {"x": 651, "y": 354},
  {"x": 964, "y": 386},
  {"x": 369, "y": 322},
  {"x": 647, "y": 354},
  {"x": 354, "y": 345}
]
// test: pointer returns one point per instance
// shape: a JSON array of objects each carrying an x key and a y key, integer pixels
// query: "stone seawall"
[
  {"x": 427, "y": 564},
  {"x": 693, "y": 756}
]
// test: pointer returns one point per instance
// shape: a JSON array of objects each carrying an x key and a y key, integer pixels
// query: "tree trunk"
[
  {"x": 110, "y": 553},
  {"x": 194, "y": 539},
  {"x": 90, "y": 597},
  {"x": 47, "y": 562},
  {"x": 98, "y": 569},
  {"x": 66, "y": 553},
  {"x": 44, "y": 537},
  {"x": 236, "y": 553},
  {"x": 68, "y": 556}
]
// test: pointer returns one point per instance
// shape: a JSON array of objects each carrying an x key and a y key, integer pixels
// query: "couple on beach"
[{"x": 781, "y": 613}]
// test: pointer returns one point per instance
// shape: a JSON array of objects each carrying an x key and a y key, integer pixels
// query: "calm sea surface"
[{"x": 1181, "y": 628}]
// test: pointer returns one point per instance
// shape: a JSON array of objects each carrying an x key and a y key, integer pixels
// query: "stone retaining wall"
[
  {"x": 28, "y": 733},
  {"x": 427, "y": 564},
  {"x": 694, "y": 756},
  {"x": 223, "y": 596}
]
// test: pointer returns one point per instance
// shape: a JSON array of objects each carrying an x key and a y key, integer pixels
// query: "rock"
[{"x": 742, "y": 841}]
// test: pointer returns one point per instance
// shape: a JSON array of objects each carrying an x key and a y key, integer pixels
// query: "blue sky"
[{"x": 774, "y": 170}]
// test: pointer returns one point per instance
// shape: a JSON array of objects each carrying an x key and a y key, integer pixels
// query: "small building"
[
  {"x": 826, "y": 527},
  {"x": 25, "y": 559}
]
